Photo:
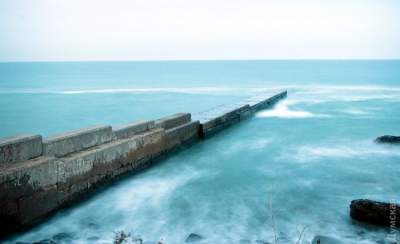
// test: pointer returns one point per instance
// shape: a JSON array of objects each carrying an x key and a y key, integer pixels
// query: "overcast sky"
[{"x": 202, "y": 29}]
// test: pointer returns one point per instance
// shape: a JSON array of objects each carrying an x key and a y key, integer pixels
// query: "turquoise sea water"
[{"x": 296, "y": 166}]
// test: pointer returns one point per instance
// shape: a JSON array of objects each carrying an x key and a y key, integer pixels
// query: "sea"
[{"x": 285, "y": 175}]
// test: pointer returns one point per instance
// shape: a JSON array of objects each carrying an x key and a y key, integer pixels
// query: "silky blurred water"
[{"x": 293, "y": 167}]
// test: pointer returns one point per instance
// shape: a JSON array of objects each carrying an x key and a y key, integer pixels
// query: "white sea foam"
[
  {"x": 151, "y": 190},
  {"x": 354, "y": 111},
  {"x": 242, "y": 91},
  {"x": 260, "y": 143},
  {"x": 309, "y": 92},
  {"x": 282, "y": 110},
  {"x": 189, "y": 90},
  {"x": 246, "y": 144},
  {"x": 354, "y": 150},
  {"x": 318, "y": 93}
]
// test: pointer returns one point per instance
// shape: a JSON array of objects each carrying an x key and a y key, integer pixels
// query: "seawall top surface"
[
  {"x": 76, "y": 140},
  {"x": 131, "y": 129},
  {"x": 17, "y": 139},
  {"x": 173, "y": 120},
  {"x": 20, "y": 148},
  {"x": 75, "y": 133},
  {"x": 251, "y": 102}
]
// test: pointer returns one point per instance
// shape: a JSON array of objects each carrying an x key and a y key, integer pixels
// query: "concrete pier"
[
  {"x": 39, "y": 176},
  {"x": 220, "y": 117}
]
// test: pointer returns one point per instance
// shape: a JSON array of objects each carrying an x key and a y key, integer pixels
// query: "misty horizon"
[{"x": 187, "y": 30}]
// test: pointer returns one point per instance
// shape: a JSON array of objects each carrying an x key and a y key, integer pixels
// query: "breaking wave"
[{"x": 282, "y": 110}]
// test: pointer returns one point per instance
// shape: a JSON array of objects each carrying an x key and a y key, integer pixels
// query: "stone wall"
[
  {"x": 39, "y": 176},
  {"x": 220, "y": 117}
]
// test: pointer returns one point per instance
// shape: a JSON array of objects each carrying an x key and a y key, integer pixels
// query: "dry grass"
[{"x": 274, "y": 229}]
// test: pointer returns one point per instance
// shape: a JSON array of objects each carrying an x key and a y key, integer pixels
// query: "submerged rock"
[
  {"x": 325, "y": 240},
  {"x": 93, "y": 238},
  {"x": 262, "y": 242},
  {"x": 388, "y": 139},
  {"x": 45, "y": 241},
  {"x": 194, "y": 238},
  {"x": 373, "y": 212},
  {"x": 63, "y": 236},
  {"x": 92, "y": 225},
  {"x": 242, "y": 241}
]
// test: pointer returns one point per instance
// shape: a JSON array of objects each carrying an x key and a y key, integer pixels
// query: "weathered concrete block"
[
  {"x": 21, "y": 179},
  {"x": 52, "y": 182},
  {"x": 259, "y": 103},
  {"x": 37, "y": 205},
  {"x": 242, "y": 111},
  {"x": 20, "y": 148},
  {"x": 106, "y": 158},
  {"x": 132, "y": 129},
  {"x": 246, "y": 112},
  {"x": 76, "y": 140},
  {"x": 181, "y": 134},
  {"x": 27, "y": 209},
  {"x": 173, "y": 120},
  {"x": 222, "y": 117}
]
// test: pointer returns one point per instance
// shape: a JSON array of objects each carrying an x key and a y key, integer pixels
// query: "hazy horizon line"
[{"x": 198, "y": 60}]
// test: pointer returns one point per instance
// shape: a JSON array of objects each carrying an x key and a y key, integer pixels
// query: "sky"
[{"x": 58, "y": 30}]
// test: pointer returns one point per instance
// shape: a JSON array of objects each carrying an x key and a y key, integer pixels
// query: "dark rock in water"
[
  {"x": 93, "y": 238},
  {"x": 373, "y": 212},
  {"x": 361, "y": 233},
  {"x": 262, "y": 242},
  {"x": 63, "y": 236},
  {"x": 282, "y": 238},
  {"x": 92, "y": 225},
  {"x": 388, "y": 139},
  {"x": 325, "y": 240},
  {"x": 194, "y": 238},
  {"x": 242, "y": 241},
  {"x": 21, "y": 242},
  {"x": 383, "y": 241},
  {"x": 45, "y": 241}
]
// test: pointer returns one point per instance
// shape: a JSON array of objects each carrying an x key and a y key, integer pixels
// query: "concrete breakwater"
[{"x": 41, "y": 175}]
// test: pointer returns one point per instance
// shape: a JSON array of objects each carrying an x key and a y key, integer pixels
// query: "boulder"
[
  {"x": 63, "y": 236},
  {"x": 325, "y": 240},
  {"x": 93, "y": 238},
  {"x": 45, "y": 241},
  {"x": 193, "y": 238},
  {"x": 92, "y": 225},
  {"x": 388, "y": 139},
  {"x": 262, "y": 242},
  {"x": 373, "y": 212}
]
